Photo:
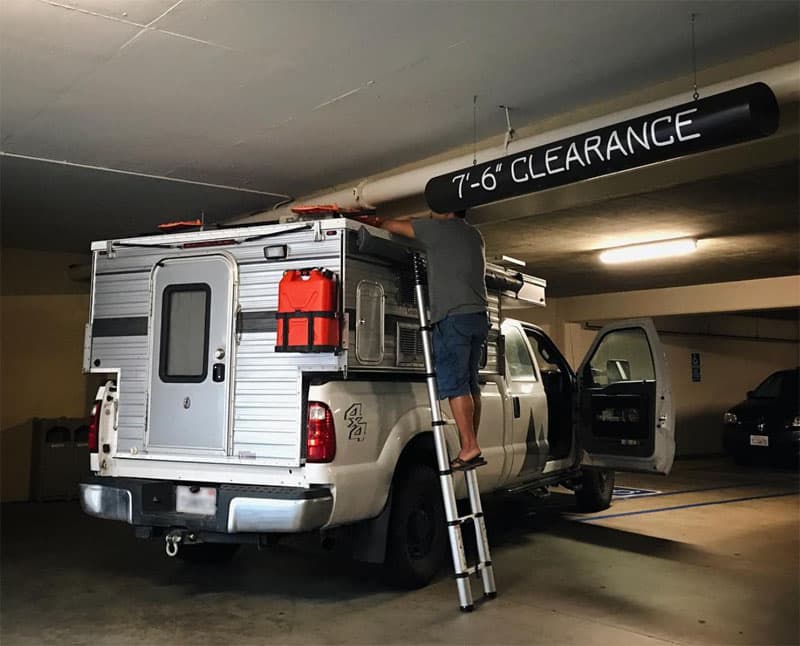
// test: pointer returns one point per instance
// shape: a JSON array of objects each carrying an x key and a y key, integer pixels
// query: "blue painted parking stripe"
[{"x": 695, "y": 504}]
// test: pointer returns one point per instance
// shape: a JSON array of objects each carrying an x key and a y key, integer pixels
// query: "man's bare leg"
[{"x": 463, "y": 408}]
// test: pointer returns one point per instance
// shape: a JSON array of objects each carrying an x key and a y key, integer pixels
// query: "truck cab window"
[{"x": 518, "y": 359}]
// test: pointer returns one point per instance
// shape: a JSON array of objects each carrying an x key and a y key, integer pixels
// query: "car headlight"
[
  {"x": 796, "y": 422},
  {"x": 730, "y": 418}
]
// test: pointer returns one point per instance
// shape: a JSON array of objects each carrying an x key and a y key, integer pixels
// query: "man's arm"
[{"x": 402, "y": 225}]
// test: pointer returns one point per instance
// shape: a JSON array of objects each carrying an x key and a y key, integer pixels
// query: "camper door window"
[{"x": 185, "y": 318}]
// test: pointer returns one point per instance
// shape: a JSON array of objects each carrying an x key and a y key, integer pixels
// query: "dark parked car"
[{"x": 767, "y": 423}]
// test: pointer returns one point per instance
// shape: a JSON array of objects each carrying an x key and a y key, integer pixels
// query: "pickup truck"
[{"x": 206, "y": 437}]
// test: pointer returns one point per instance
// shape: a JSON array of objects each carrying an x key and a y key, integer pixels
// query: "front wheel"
[
  {"x": 596, "y": 490},
  {"x": 417, "y": 539}
]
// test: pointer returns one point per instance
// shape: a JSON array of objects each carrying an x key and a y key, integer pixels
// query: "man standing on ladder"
[{"x": 459, "y": 315}]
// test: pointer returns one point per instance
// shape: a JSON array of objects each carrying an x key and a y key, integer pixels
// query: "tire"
[
  {"x": 208, "y": 552},
  {"x": 596, "y": 490},
  {"x": 417, "y": 536}
]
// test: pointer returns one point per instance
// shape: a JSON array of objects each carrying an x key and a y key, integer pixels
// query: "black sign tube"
[{"x": 746, "y": 113}]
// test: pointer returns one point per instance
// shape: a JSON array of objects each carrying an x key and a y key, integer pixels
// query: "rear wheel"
[
  {"x": 417, "y": 537},
  {"x": 208, "y": 552},
  {"x": 596, "y": 490}
]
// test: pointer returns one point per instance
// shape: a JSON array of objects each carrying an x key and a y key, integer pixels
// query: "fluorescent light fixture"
[{"x": 649, "y": 251}]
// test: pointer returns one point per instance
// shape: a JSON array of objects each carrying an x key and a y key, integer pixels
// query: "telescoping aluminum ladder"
[{"x": 454, "y": 521}]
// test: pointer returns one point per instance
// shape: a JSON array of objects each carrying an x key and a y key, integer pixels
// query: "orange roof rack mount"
[
  {"x": 179, "y": 225},
  {"x": 365, "y": 216}
]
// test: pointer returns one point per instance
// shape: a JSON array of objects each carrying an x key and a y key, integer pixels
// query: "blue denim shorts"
[{"x": 458, "y": 342}]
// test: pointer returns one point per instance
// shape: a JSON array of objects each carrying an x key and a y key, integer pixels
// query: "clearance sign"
[{"x": 721, "y": 120}]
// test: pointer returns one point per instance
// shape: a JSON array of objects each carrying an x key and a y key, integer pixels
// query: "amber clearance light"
[{"x": 649, "y": 251}]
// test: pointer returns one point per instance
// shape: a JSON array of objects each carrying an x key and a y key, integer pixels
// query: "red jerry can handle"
[{"x": 326, "y": 273}]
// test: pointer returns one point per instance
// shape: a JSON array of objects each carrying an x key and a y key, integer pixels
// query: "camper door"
[{"x": 190, "y": 371}]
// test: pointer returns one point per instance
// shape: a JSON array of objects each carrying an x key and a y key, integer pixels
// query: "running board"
[{"x": 550, "y": 481}]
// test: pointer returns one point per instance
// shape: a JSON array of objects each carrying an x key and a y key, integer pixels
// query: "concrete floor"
[{"x": 713, "y": 559}]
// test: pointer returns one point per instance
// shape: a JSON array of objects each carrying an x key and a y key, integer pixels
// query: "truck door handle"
[{"x": 515, "y": 401}]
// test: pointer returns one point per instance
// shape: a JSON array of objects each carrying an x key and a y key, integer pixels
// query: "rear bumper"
[{"x": 240, "y": 508}]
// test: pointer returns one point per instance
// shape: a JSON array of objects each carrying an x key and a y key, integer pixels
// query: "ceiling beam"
[{"x": 762, "y": 293}]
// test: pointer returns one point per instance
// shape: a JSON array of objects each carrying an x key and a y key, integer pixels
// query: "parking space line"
[
  {"x": 701, "y": 489},
  {"x": 675, "y": 507}
]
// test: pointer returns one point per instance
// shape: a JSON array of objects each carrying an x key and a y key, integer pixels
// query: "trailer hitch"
[
  {"x": 173, "y": 540},
  {"x": 178, "y": 537}
]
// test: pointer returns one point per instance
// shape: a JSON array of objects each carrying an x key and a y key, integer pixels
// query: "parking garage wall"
[{"x": 42, "y": 315}]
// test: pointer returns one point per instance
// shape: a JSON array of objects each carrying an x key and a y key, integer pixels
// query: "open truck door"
[{"x": 626, "y": 419}]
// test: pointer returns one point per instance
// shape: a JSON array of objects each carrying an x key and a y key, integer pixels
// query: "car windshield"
[{"x": 770, "y": 388}]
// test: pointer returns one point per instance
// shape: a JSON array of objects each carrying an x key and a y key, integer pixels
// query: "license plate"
[
  {"x": 202, "y": 502},
  {"x": 759, "y": 440}
]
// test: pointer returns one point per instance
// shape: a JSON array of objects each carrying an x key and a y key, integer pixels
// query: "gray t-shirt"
[{"x": 456, "y": 266}]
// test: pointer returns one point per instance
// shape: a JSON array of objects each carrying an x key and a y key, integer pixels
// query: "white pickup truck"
[{"x": 206, "y": 437}]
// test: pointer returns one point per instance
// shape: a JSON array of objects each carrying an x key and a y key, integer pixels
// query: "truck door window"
[
  {"x": 518, "y": 359},
  {"x": 622, "y": 355},
  {"x": 185, "y": 311}
]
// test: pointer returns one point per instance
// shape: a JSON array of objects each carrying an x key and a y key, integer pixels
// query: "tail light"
[
  {"x": 320, "y": 434},
  {"x": 94, "y": 427}
]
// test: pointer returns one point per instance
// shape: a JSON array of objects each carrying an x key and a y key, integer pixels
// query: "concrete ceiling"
[
  {"x": 291, "y": 97},
  {"x": 288, "y": 98},
  {"x": 746, "y": 224}
]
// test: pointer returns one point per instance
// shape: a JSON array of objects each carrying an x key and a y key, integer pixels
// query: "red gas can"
[{"x": 308, "y": 319}]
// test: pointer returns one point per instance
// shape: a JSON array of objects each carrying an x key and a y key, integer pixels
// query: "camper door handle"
[{"x": 220, "y": 353}]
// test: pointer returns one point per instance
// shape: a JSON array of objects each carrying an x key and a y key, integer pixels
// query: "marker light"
[
  {"x": 649, "y": 251},
  {"x": 93, "y": 438}
]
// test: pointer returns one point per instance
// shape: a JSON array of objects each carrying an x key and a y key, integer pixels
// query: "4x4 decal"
[{"x": 356, "y": 426}]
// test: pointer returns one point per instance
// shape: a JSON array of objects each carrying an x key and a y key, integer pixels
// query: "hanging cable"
[
  {"x": 474, "y": 129},
  {"x": 695, "y": 93}
]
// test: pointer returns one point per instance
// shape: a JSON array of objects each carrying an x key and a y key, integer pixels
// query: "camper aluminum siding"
[
  {"x": 267, "y": 400},
  {"x": 380, "y": 329}
]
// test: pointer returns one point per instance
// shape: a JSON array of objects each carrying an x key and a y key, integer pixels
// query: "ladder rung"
[
  {"x": 473, "y": 569},
  {"x": 462, "y": 519}
]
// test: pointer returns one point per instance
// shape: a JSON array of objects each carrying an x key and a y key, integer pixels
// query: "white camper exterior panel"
[{"x": 267, "y": 388}]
